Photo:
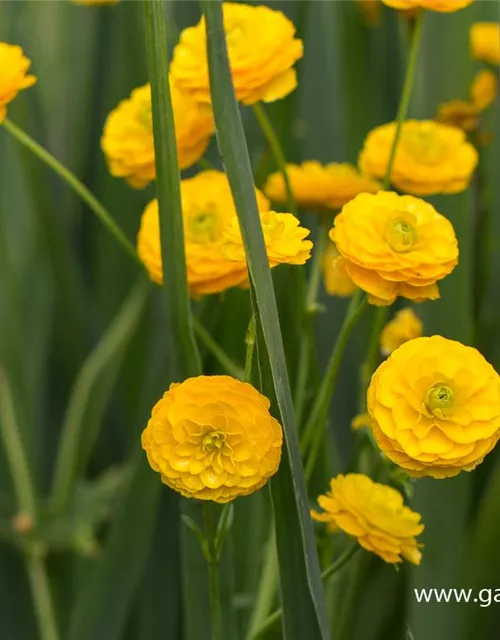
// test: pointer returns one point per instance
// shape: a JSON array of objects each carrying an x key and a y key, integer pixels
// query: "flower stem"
[
  {"x": 40, "y": 588},
  {"x": 231, "y": 367},
  {"x": 266, "y": 590},
  {"x": 213, "y": 575},
  {"x": 250, "y": 341},
  {"x": 279, "y": 155},
  {"x": 72, "y": 181},
  {"x": 372, "y": 354}
]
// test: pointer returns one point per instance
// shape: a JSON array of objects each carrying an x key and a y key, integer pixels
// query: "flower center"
[
  {"x": 203, "y": 228},
  {"x": 439, "y": 400},
  {"x": 145, "y": 116},
  {"x": 423, "y": 145},
  {"x": 212, "y": 440},
  {"x": 401, "y": 235}
]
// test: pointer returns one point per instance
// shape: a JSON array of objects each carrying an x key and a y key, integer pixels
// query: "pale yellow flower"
[
  {"x": 484, "y": 89},
  {"x": 13, "y": 75},
  {"x": 337, "y": 282},
  {"x": 405, "y": 326},
  {"x": 485, "y": 41}
]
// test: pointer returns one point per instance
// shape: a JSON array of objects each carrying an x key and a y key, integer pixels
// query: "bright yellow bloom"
[
  {"x": 207, "y": 208},
  {"x": 13, "y": 75},
  {"x": 484, "y": 89},
  {"x": 337, "y": 282},
  {"x": 318, "y": 187},
  {"x": 262, "y": 50},
  {"x": 463, "y": 114},
  {"x": 431, "y": 158},
  {"x": 443, "y": 6},
  {"x": 485, "y": 41},
  {"x": 283, "y": 235},
  {"x": 213, "y": 438},
  {"x": 434, "y": 406},
  {"x": 360, "y": 421},
  {"x": 374, "y": 514},
  {"x": 405, "y": 325},
  {"x": 371, "y": 11},
  {"x": 395, "y": 246},
  {"x": 127, "y": 139}
]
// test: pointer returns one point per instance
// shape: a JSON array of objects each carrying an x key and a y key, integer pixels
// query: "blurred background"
[{"x": 64, "y": 281}]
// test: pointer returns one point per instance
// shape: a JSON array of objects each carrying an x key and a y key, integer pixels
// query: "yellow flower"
[
  {"x": 405, "y": 325},
  {"x": 484, "y": 89},
  {"x": 485, "y": 41},
  {"x": 443, "y": 6},
  {"x": 207, "y": 208},
  {"x": 462, "y": 114},
  {"x": 395, "y": 246},
  {"x": 213, "y": 438},
  {"x": 434, "y": 406},
  {"x": 360, "y": 421},
  {"x": 371, "y": 11},
  {"x": 430, "y": 158},
  {"x": 374, "y": 514},
  {"x": 316, "y": 186},
  {"x": 262, "y": 51},
  {"x": 283, "y": 235},
  {"x": 95, "y": 3},
  {"x": 13, "y": 75},
  {"x": 337, "y": 282},
  {"x": 127, "y": 139}
]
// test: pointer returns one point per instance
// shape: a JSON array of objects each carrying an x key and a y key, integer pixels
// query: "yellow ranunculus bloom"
[
  {"x": 484, "y": 89},
  {"x": 213, "y": 438},
  {"x": 283, "y": 235},
  {"x": 262, "y": 50},
  {"x": 337, "y": 282},
  {"x": 463, "y": 114},
  {"x": 318, "y": 187},
  {"x": 395, "y": 246},
  {"x": 443, "y": 6},
  {"x": 374, "y": 514},
  {"x": 128, "y": 142},
  {"x": 485, "y": 41},
  {"x": 207, "y": 208},
  {"x": 13, "y": 75},
  {"x": 434, "y": 406},
  {"x": 360, "y": 421},
  {"x": 431, "y": 157},
  {"x": 405, "y": 325}
]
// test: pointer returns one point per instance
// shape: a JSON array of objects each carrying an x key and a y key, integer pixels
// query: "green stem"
[
  {"x": 72, "y": 181},
  {"x": 231, "y": 367},
  {"x": 40, "y": 588},
  {"x": 406, "y": 95},
  {"x": 372, "y": 354},
  {"x": 330, "y": 571},
  {"x": 317, "y": 418},
  {"x": 213, "y": 575},
  {"x": 266, "y": 590},
  {"x": 349, "y": 599},
  {"x": 279, "y": 156},
  {"x": 250, "y": 340},
  {"x": 206, "y": 165}
]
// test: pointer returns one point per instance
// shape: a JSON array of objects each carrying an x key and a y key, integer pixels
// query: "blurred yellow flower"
[
  {"x": 443, "y": 6},
  {"x": 213, "y": 438},
  {"x": 395, "y": 246},
  {"x": 337, "y": 282},
  {"x": 360, "y": 421},
  {"x": 485, "y": 41},
  {"x": 127, "y": 139},
  {"x": 434, "y": 406},
  {"x": 374, "y": 514},
  {"x": 262, "y": 50},
  {"x": 207, "y": 208},
  {"x": 484, "y": 89},
  {"x": 283, "y": 235},
  {"x": 318, "y": 187},
  {"x": 371, "y": 11},
  {"x": 13, "y": 75},
  {"x": 462, "y": 114},
  {"x": 405, "y": 325},
  {"x": 431, "y": 157},
  {"x": 95, "y": 3}
]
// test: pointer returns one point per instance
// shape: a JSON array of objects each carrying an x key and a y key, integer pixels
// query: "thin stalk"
[
  {"x": 330, "y": 571},
  {"x": 372, "y": 354},
  {"x": 250, "y": 341},
  {"x": 278, "y": 153},
  {"x": 72, "y": 181},
  {"x": 319, "y": 411},
  {"x": 40, "y": 589},
  {"x": 231, "y": 367},
  {"x": 266, "y": 590},
  {"x": 213, "y": 575},
  {"x": 175, "y": 287},
  {"x": 206, "y": 165}
]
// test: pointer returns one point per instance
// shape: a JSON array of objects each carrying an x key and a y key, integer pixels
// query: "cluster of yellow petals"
[
  {"x": 319, "y": 187},
  {"x": 431, "y": 157},
  {"x": 13, "y": 75},
  {"x": 374, "y": 514},
  {"x": 284, "y": 238},
  {"x": 485, "y": 42},
  {"x": 405, "y": 325},
  {"x": 213, "y": 438},
  {"x": 443, "y": 6},
  {"x": 128, "y": 142},
  {"x": 262, "y": 50},
  {"x": 484, "y": 88},
  {"x": 434, "y": 406},
  {"x": 207, "y": 209},
  {"x": 394, "y": 246},
  {"x": 336, "y": 280}
]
